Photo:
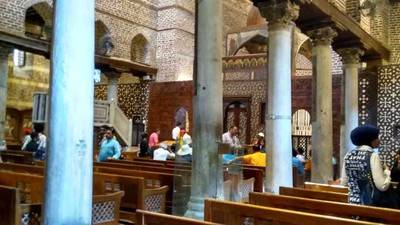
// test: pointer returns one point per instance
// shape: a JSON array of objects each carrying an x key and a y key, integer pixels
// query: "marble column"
[
  {"x": 351, "y": 65},
  {"x": 112, "y": 86},
  {"x": 207, "y": 106},
  {"x": 69, "y": 170},
  {"x": 322, "y": 125},
  {"x": 4, "y": 52},
  {"x": 278, "y": 135}
]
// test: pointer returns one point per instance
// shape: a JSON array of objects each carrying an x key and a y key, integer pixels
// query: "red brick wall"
[{"x": 165, "y": 99}]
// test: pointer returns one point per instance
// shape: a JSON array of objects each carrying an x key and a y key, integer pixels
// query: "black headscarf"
[{"x": 364, "y": 135}]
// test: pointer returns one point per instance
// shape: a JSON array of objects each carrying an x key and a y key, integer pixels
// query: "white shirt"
[
  {"x": 175, "y": 132},
  {"x": 301, "y": 158},
  {"x": 228, "y": 139},
  {"x": 162, "y": 154},
  {"x": 381, "y": 177},
  {"x": 42, "y": 141}
]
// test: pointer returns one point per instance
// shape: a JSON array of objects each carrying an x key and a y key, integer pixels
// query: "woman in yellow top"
[{"x": 256, "y": 159}]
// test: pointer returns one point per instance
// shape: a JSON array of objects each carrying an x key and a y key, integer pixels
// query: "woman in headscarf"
[{"x": 362, "y": 169}]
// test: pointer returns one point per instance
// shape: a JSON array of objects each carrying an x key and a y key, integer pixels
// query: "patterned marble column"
[
  {"x": 351, "y": 65},
  {"x": 278, "y": 119},
  {"x": 69, "y": 170},
  {"x": 207, "y": 106},
  {"x": 4, "y": 52},
  {"x": 322, "y": 125},
  {"x": 112, "y": 87}
]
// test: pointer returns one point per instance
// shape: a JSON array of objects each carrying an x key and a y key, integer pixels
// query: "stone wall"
[{"x": 394, "y": 37}]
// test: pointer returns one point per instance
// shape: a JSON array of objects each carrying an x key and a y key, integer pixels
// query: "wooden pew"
[
  {"x": 105, "y": 210},
  {"x": 320, "y": 195},
  {"x": 29, "y": 185},
  {"x": 366, "y": 213},
  {"x": 151, "y": 218},
  {"x": 231, "y": 213},
  {"x": 22, "y": 168},
  {"x": 152, "y": 181},
  {"x": 326, "y": 187}
]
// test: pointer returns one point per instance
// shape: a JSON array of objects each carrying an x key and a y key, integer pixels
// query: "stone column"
[
  {"x": 279, "y": 116},
  {"x": 351, "y": 64},
  {"x": 4, "y": 52},
  {"x": 322, "y": 128},
  {"x": 207, "y": 106},
  {"x": 69, "y": 170},
  {"x": 112, "y": 87}
]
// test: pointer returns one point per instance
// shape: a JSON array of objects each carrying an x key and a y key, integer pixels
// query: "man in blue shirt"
[
  {"x": 297, "y": 163},
  {"x": 109, "y": 148}
]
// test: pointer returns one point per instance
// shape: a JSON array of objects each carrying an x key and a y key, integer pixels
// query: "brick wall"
[
  {"x": 394, "y": 30},
  {"x": 165, "y": 99},
  {"x": 352, "y": 9}
]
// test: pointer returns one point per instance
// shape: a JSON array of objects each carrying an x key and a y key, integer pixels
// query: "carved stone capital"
[
  {"x": 322, "y": 36},
  {"x": 350, "y": 55},
  {"x": 279, "y": 14}
]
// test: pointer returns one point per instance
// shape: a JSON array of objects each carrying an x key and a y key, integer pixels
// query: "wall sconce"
[{"x": 367, "y": 7}]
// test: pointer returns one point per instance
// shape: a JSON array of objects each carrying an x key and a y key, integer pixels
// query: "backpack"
[{"x": 32, "y": 146}]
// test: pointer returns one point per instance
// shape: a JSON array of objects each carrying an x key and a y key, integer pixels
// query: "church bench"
[
  {"x": 151, "y": 218},
  {"x": 152, "y": 180},
  {"x": 231, "y": 213},
  {"x": 22, "y": 168},
  {"x": 105, "y": 209},
  {"x": 30, "y": 186},
  {"x": 8, "y": 156},
  {"x": 136, "y": 197},
  {"x": 321, "y": 195},
  {"x": 160, "y": 166},
  {"x": 366, "y": 213},
  {"x": 326, "y": 187}
]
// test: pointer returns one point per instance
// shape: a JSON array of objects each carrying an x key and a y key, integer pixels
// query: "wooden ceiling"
[{"x": 320, "y": 13}]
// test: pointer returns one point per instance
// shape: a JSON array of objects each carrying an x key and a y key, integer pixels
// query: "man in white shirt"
[
  {"x": 176, "y": 130},
  {"x": 162, "y": 153},
  {"x": 231, "y": 138}
]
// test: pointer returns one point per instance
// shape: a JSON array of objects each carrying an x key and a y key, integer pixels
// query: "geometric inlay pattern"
[
  {"x": 153, "y": 202},
  {"x": 388, "y": 110},
  {"x": 103, "y": 212}
]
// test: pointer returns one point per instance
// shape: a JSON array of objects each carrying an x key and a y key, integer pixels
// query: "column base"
[{"x": 195, "y": 208}]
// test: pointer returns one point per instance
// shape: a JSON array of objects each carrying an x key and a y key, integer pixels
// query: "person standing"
[
  {"x": 362, "y": 169},
  {"x": 176, "y": 130},
  {"x": 231, "y": 138},
  {"x": 153, "y": 139},
  {"x": 109, "y": 148}
]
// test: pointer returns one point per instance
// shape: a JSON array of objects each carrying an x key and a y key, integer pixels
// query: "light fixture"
[
  {"x": 367, "y": 7},
  {"x": 147, "y": 77}
]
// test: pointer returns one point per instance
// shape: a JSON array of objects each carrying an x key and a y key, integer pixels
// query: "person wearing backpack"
[
  {"x": 33, "y": 143},
  {"x": 362, "y": 169}
]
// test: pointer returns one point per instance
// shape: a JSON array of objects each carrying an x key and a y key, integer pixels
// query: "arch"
[
  {"x": 39, "y": 20},
  {"x": 255, "y": 18},
  {"x": 103, "y": 42},
  {"x": 140, "y": 49},
  {"x": 301, "y": 123},
  {"x": 29, "y": 3},
  {"x": 182, "y": 117},
  {"x": 256, "y": 43}
]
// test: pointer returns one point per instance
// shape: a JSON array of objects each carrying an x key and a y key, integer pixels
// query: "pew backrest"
[
  {"x": 326, "y": 187},
  {"x": 8, "y": 205},
  {"x": 154, "y": 200},
  {"x": 105, "y": 210},
  {"x": 30, "y": 186},
  {"x": 231, "y": 213},
  {"x": 152, "y": 218},
  {"x": 321, "y": 195},
  {"x": 366, "y": 213}
]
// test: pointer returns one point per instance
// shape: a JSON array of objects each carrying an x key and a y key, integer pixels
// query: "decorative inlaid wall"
[
  {"x": 133, "y": 99},
  {"x": 367, "y": 92},
  {"x": 389, "y": 111}
]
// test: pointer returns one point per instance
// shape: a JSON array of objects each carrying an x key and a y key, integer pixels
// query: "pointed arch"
[{"x": 140, "y": 49}]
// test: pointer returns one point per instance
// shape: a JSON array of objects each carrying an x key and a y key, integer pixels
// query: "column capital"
[
  {"x": 4, "y": 51},
  {"x": 322, "y": 36},
  {"x": 350, "y": 55},
  {"x": 112, "y": 75},
  {"x": 279, "y": 14}
]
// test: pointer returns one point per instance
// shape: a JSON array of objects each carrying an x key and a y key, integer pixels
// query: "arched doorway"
[{"x": 237, "y": 113}]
